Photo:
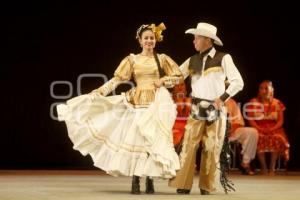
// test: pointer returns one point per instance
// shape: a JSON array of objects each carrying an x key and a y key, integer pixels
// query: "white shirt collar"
[{"x": 212, "y": 52}]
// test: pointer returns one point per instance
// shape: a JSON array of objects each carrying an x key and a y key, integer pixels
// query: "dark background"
[{"x": 42, "y": 42}]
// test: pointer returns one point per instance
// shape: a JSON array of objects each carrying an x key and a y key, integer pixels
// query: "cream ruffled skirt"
[{"x": 123, "y": 140}]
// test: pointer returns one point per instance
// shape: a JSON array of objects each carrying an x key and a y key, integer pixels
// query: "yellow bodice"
[{"x": 144, "y": 71}]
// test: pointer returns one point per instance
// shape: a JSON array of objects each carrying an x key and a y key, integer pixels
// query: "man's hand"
[{"x": 218, "y": 103}]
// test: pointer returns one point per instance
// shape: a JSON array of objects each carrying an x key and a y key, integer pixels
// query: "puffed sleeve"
[
  {"x": 280, "y": 106},
  {"x": 173, "y": 74},
  {"x": 124, "y": 70},
  {"x": 122, "y": 73}
]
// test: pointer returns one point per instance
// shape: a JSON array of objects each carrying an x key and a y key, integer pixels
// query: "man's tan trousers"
[{"x": 212, "y": 137}]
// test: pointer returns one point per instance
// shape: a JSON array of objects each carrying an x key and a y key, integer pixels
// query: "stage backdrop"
[{"x": 55, "y": 51}]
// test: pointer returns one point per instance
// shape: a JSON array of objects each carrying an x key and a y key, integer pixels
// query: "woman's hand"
[
  {"x": 259, "y": 129},
  {"x": 159, "y": 83},
  {"x": 97, "y": 92},
  {"x": 273, "y": 129},
  {"x": 265, "y": 130}
]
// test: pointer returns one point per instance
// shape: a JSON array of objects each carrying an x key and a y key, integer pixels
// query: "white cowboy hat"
[{"x": 207, "y": 30}]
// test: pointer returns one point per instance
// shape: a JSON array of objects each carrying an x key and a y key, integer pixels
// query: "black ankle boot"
[
  {"x": 204, "y": 192},
  {"x": 149, "y": 185},
  {"x": 183, "y": 191},
  {"x": 135, "y": 187}
]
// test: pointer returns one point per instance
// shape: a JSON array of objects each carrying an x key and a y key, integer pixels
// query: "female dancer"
[{"x": 130, "y": 134}]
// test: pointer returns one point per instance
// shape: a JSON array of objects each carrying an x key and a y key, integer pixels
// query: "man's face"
[{"x": 201, "y": 43}]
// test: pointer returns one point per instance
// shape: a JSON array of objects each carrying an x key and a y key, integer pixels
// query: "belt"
[{"x": 203, "y": 109}]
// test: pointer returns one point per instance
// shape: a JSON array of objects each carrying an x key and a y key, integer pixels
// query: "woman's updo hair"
[
  {"x": 142, "y": 29},
  {"x": 157, "y": 30}
]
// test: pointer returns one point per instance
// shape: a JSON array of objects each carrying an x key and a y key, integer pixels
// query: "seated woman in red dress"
[
  {"x": 265, "y": 113},
  {"x": 183, "y": 111}
]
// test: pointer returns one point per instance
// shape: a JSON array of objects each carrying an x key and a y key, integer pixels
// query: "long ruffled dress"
[{"x": 128, "y": 134}]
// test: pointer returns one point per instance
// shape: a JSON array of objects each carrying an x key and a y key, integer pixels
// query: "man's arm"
[
  {"x": 184, "y": 68},
  {"x": 234, "y": 77}
]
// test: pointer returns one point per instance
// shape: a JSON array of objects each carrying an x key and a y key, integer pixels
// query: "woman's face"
[
  {"x": 266, "y": 90},
  {"x": 148, "y": 40}
]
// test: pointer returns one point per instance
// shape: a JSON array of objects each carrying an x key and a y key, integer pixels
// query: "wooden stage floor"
[{"x": 95, "y": 185}]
